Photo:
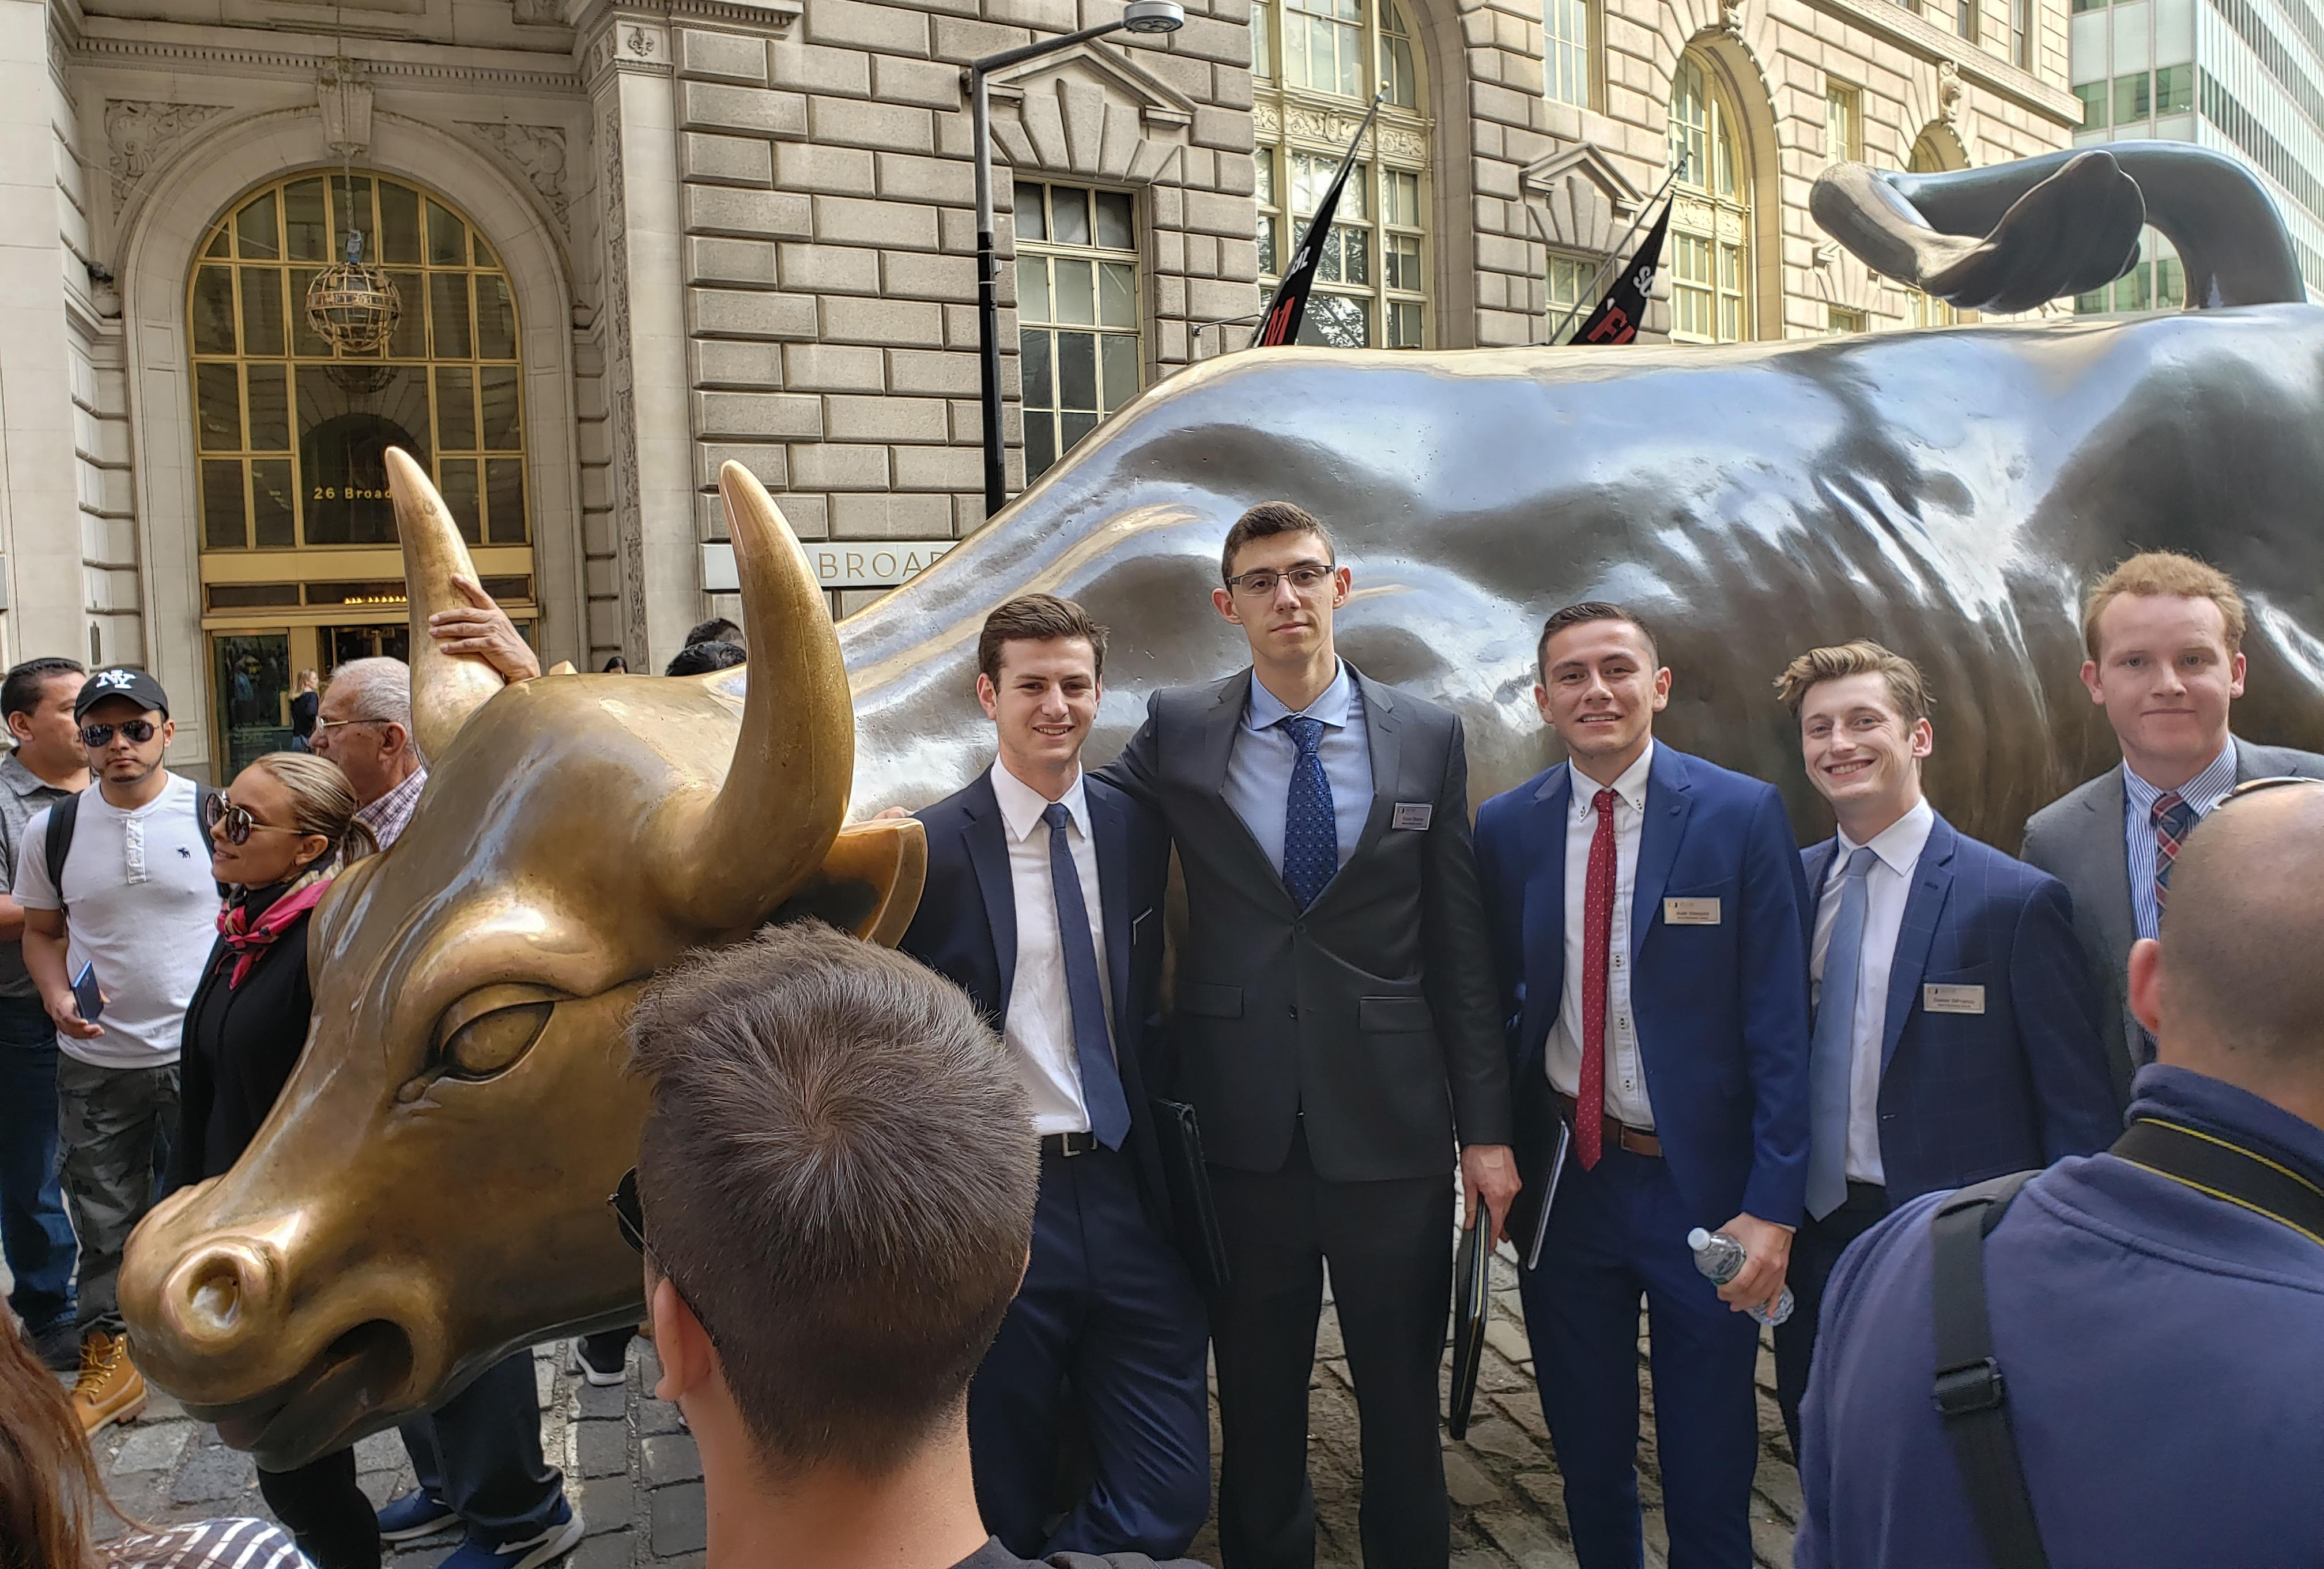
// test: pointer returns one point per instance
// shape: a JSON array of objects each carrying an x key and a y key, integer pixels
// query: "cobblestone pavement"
[{"x": 632, "y": 1469}]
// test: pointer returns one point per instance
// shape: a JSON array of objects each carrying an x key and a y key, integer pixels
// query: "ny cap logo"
[{"x": 119, "y": 680}]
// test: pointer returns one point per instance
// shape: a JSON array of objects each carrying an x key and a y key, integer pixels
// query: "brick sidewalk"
[{"x": 632, "y": 1469}]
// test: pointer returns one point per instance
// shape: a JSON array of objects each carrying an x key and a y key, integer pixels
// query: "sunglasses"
[
  {"x": 137, "y": 731},
  {"x": 239, "y": 823},
  {"x": 629, "y": 1216}
]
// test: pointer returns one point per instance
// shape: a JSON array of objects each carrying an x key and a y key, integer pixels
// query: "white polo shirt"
[{"x": 140, "y": 906}]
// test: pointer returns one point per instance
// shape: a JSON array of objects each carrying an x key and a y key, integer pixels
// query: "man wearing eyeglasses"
[
  {"x": 1336, "y": 1036},
  {"x": 135, "y": 905},
  {"x": 365, "y": 727}
]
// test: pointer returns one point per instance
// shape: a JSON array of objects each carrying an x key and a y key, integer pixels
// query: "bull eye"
[{"x": 488, "y": 1030}]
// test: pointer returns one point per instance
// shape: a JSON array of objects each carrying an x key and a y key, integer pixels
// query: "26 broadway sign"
[{"x": 839, "y": 564}]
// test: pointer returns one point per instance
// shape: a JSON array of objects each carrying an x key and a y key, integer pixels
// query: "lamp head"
[{"x": 1154, "y": 15}]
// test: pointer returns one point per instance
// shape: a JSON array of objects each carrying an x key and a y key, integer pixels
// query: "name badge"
[
  {"x": 1411, "y": 815},
  {"x": 1690, "y": 912},
  {"x": 1954, "y": 999}
]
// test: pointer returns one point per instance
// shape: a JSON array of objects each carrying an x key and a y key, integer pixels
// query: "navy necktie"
[
  {"x": 1311, "y": 830},
  {"x": 1109, "y": 1108},
  {"x": 1831, "y": 1060}
]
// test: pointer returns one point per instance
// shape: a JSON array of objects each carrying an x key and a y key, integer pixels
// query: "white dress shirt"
[
  {"x": 1896, "y": 851},
  {"x": 1626, "y": 1077},
  {"x": 1039, "y": 1028}
]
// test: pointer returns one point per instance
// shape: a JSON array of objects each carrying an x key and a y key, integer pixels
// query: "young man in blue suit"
[
  {"x": 1647, "y": 923},
  {"x": 1043, "y": 902},
  {"x": 1957, "y": 1032}
]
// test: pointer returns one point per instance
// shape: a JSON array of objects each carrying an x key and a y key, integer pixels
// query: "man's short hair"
[
  {"x": 838, "y": 1172},
  {"x": 1580, "y": 614},
  {"x": 1036, "y": 618},
  {"x": 22, "y": 688},
  {"x": 701, "y": 658},
  {"x": 1265, "y": 521},
  {"x": 2170, "y": 575},
  {"x": 716, "y": 630},
  {"x": 1908, "y": 693}
]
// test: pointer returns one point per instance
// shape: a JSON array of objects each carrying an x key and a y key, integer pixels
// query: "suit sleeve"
[
  {"x": 1134, "y": 772},
  {"x": 1774, "y": 983},
  {"x": 2058, "y": 1028},
  {"x": 1503, "y": 916},
  {"x": 1460, "y": 985}
]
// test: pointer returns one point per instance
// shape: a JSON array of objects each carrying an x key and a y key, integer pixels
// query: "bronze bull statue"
[{"x": 429, "y": 1192}]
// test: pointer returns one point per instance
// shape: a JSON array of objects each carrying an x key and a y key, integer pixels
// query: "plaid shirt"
[{"x": 387, "y": 817}]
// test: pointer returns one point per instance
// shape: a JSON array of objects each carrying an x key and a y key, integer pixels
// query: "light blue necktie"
[
  {"x": 1310, "y": 831},
  {"x": 1109, "y": 1108},
  {"x": 1832, "y": 1055}
]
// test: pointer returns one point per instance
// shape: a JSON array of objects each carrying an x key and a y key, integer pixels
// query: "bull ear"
[
  {"x": 445, "y": 689},
  {"x": 729, "y": 858},
  {"x": 871, "y": 882}
]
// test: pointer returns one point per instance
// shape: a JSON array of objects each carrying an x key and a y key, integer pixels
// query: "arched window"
[
  {"x": 1710, "y": 217},
  {"x": 1317, "y": 64},
  {"x": 299, "y": 567}
]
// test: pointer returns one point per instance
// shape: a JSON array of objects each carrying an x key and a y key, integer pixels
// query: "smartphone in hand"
[{"x": 86, "y": 994}]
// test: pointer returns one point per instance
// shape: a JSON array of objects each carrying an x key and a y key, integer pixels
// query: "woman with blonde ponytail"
[{"x": 278, "y": 836}]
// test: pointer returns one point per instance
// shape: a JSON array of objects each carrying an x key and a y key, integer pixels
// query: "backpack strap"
[
  {"x": 62, "y": 814},
  {"x": 1972, "y": 1398}
]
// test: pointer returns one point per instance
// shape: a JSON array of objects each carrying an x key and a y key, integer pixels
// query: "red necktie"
[{"x": 1597, "y": 938}]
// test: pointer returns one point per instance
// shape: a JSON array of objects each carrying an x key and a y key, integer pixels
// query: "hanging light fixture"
[{"x": 352, "y": 305}]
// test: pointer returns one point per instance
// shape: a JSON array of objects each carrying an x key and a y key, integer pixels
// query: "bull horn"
[
  {"x": 445, "y": 689},
  {"x": 730, "y": 859}
]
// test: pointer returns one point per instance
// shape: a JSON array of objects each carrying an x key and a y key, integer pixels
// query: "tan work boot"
[{"x": 110, "y": 1388}]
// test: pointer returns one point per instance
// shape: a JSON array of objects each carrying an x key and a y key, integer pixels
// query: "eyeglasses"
[
  {"x": 323, "y": 726},
  {"x": 1306, "y": 577},
  {"x": 239, "y": 823},
  {"x": 629, "y": 1216},
  {"x": 138, "y": 731}
]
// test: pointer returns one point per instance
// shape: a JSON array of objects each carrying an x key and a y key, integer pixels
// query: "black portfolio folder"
[
  {"x": 1473, "y": 1298},
  {"x": 1194, "y": 1217}
]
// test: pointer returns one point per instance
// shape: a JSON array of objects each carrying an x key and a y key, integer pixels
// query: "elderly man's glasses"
[
  {"x": 1304, "y": 577},
  {"x": 137, "y": 731},
  {"x": 323, "y": 726}
]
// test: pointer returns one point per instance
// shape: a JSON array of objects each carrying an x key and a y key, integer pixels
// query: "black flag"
[
  {"x": 1619, "y": 315},
  {"x": 1290, "y": 307}
]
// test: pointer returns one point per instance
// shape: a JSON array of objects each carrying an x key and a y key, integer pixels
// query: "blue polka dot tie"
[{"x": 1311, "y": 831}]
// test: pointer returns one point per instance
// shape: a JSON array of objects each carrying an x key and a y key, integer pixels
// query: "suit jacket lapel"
[
  {"x": 1544, "y": 904},
  {"x": 2108, "y": 867},
  {"x": 985, "y": 838},
  {"x": 1924, "y": 903},
  {"x": 1383, "y": 733},
  {"x": 1111, "y": 832},
  {"x": 1669, "y": 799}
]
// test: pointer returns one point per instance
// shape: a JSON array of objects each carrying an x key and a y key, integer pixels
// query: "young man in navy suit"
[
  {"x": 1043, "y": 902},
  {"x": 1957, "y": 1032},
  {"x": 1648, "y": 935}
]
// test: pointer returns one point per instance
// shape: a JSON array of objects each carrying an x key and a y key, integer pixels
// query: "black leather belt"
[{"x": 1069, "y": 1144}]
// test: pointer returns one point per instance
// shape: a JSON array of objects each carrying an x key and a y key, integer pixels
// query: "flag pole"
[
  {"x": 1589, "y": 296},
  {"x": 1347, "y": 162}
]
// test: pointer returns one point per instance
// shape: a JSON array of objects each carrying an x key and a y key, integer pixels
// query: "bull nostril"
[
  {"x": 223, "y": 1291},
  {"x": 216, "y": 1301}
]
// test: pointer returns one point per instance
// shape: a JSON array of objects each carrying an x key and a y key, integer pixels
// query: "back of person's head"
[
  {"x": 322, "y": 802},
  {"x": 701, "y": 658},
  {"x": 377, "y": 688},
  {"x": 716, "y": 630},
  {"x": 49, "y": 1492},
  {"x": 22, "y": 689},
  {"x": 837, "y": 1175},
  {"x": 2241, "y": 992}
]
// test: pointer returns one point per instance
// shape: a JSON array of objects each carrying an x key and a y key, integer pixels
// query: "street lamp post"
[{"x": 1138, "y": 16}]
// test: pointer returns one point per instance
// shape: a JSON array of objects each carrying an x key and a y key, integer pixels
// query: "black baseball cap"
[{"x": 120, "y": 681}]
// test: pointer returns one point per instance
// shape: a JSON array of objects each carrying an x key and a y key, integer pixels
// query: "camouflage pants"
[{"x": 113, "y": 1125}]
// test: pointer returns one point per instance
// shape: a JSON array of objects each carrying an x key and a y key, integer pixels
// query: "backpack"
[{"x": 67, "y": 812}]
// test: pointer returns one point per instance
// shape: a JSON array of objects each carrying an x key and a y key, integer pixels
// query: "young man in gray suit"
[
  {"x": 2165, "y": 632},
  {"x": 1337, "y": 1035}
]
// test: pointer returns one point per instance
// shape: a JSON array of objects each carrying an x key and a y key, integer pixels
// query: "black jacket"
[
  {"x": 239, "y": 1047},
  {"x": 1373, "y": 1011}
]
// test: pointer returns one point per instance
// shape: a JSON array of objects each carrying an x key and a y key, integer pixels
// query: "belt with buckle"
[
  {"x": 1636, "y": 1140},
  {"x": 1069, "y": 1144}
]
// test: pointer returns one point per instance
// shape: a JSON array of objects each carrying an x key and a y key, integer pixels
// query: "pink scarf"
[{"x": 246, "y": 941}]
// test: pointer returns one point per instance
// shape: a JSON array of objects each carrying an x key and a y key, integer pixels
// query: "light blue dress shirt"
[
  {"x": 1259, "y": 763},
  {"x": 2206, "y": 790}
]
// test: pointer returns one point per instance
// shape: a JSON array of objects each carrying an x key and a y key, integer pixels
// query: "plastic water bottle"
[{"x": 1719, "y": 1256}]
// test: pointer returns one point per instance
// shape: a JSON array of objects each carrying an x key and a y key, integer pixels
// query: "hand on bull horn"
[{"x": 482, "y": 628}]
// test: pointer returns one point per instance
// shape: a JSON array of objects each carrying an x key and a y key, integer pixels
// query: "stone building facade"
[{"x": 632, "y": 241}]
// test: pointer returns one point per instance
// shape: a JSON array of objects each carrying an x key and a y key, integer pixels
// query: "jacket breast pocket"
[{"x": 1393, "y": 1015}]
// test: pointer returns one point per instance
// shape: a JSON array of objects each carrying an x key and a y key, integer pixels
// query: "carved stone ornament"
[
  {"x": 1950, "y": 91},
  {"x": 539, "y": 153},
  {"x": 1730, "y": 16},
  {"x": 342, "y": 94},
  {"x": 139, "y": 135}
]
